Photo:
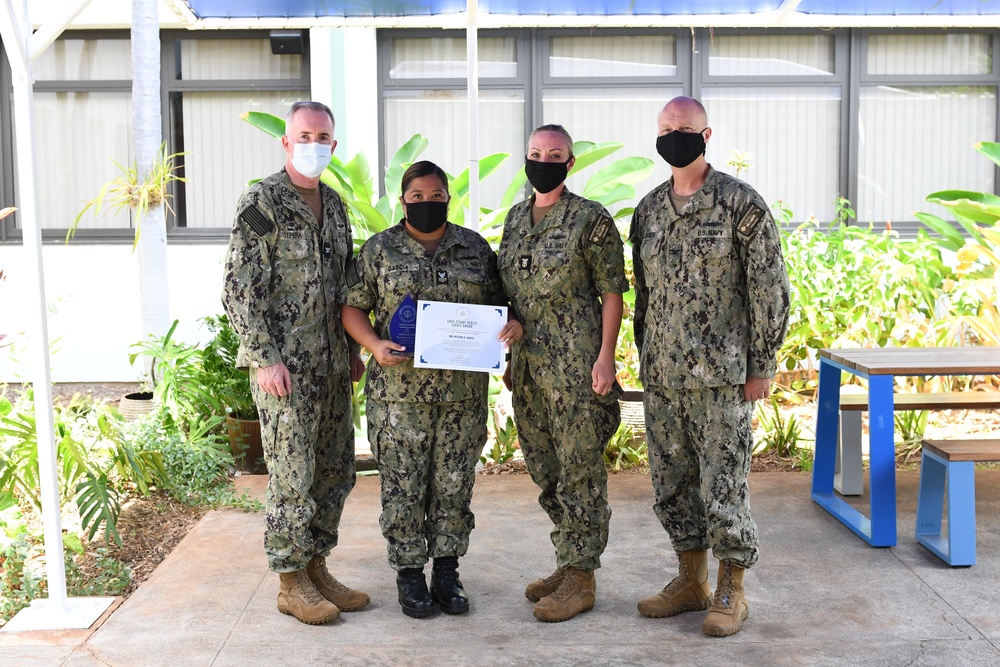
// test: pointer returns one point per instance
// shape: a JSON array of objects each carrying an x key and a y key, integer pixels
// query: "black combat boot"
[
  {"x": 413, "y": 594},
  {"x": 446, "y": 588}
]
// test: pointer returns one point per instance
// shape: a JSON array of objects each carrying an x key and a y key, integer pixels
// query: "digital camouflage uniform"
[
  {"x": 554, "y": 273},
  {"x": 283, "y": 281},
  {"x": 427, "y": 427},
  {"x": 711, "y": 309}
]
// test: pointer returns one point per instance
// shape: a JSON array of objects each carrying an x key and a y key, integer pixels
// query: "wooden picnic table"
[{"x": 879, "y": 366}]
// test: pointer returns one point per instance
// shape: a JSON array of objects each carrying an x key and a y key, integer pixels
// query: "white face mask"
[{"x": 311, "y": 159}]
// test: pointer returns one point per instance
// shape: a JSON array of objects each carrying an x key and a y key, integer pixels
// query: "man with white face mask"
[{"x": 284, "y": 282}]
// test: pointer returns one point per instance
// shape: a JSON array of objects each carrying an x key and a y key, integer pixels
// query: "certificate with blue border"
[{"x": 459, "y": 336}]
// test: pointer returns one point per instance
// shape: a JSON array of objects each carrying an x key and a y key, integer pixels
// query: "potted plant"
[{"x": 231, "y": 386}]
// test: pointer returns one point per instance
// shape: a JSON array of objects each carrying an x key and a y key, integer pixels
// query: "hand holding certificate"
[{"x": 459, "y": 336}]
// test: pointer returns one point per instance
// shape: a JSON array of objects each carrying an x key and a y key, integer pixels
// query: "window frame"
[
  {"x": 171, "y": 91},
  {"x": 860, "y": 79}
]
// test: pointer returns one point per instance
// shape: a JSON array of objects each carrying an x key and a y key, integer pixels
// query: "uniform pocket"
[
  {"x": 710, "y": 261},
  {"x": 294, "y": 263}
]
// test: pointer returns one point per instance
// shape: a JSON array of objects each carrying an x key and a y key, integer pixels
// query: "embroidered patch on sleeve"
[
  {"x": 352, "y": 277},
  {"x": 600, "y": 231},
  {"x": 751, "y": 222},
  {"x": 255, "y": 220}
]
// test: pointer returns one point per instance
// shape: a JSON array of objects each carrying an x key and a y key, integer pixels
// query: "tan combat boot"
[
  {"x": 688, "y": 591},
  {"x": 729, "y": 608},
  {"x": 345, "y": 598},
  {"x": 543, "y": 588},
  {"x": 299, "y": 598},
  {"x": 574, "y": 595}
]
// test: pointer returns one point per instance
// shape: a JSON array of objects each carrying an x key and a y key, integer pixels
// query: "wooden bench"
[
  {"x": 848, "y": 476},
  {"x": 949, "y": 465}
]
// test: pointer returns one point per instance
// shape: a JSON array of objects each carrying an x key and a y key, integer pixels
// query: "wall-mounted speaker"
[{"x": 287, "y": 42}]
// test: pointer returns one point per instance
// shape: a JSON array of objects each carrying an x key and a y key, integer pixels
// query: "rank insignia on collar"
[
  {"x": 524, "y": 262},
  {"x": 442, "y": 277}
]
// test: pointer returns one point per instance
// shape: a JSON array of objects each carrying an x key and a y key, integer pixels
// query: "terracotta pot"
[{"x": 244, "y": 441}]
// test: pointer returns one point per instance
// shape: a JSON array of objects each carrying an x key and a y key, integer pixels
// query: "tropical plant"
[
  {"x": 855, "y": 287},
  {"x": 624, "y": 450},
  {"x": 740, "y": 161},
  {"x": 140, "y": 195},
  {"x": 910, "y": 427},
  {"x": 370, "y": 214},
  {"x": 181, "y": 383},
  {"x": 93, "y": 462},
  {"x": 781, "y": 433},
  {"x": 972, "y": 295},
  {"x": 229, "y": 384},
  {"x": 504, "y": 444},
  {"x": 608, "y": 186}
]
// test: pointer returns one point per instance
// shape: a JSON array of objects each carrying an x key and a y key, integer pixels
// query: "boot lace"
[
  {"x": 567, "y": 588},
  {"x": 306, "y": 588},
  {"x": 555, "y": 577},
  {"x": 328, "y": 579},
  {"x": 681, "y": 581},
  {"x": 724, "y": 593}
]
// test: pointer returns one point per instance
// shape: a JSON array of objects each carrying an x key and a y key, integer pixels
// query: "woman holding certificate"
[
  {"x": 426, "y": 427},
  {"x": 563, "y": 266}
]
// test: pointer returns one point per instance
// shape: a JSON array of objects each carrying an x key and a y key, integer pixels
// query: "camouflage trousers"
[
  {"x": 308, "y": 440},
  {"x": 563, "y": 434},
  {"x": 426, "y": 454},
  {"x": 700, "y": 443}
]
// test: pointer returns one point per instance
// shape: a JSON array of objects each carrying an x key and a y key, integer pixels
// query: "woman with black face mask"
[
  {"x": 426, "y": 427},
  {"x": 563, "y": 268}
]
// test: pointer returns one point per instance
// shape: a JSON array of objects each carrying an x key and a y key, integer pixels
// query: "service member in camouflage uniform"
[
  {"x": 290, "y": 245},
  {"x": 426, "y": 427},
  {"x": 562, "y": 264},
  {"x": 711, "y": 311}
]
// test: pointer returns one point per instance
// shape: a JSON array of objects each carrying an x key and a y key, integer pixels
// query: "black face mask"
[
  {"x": 545, "y": 176},
  {"x": 427, "y": 216},
  {"x": 680, "y": 149}
]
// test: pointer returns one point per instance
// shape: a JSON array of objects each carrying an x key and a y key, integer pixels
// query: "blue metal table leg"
[
  {"x": 882, "y": 461},
  {"x": 827, "y": 423}
]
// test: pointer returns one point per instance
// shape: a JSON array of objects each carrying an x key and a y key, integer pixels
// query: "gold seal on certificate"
[
  {"x": 403, "y": 327},
  {"x": 459, "y": 336}
]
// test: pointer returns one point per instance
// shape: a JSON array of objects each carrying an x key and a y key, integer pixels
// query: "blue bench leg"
[
  {"x": 962, "y": 513},
  {"x": 958, "y": 548}
]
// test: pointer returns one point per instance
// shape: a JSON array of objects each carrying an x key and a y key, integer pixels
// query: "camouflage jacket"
[
  {"x": 390, "y": 266},
  {"x": 554, "y": 273},
  {"x": 284, "y": 278},
  {"x": 712, "y": 293}
]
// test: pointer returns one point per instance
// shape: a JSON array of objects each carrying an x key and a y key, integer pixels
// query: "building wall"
[{"x": 92, "y": 298}]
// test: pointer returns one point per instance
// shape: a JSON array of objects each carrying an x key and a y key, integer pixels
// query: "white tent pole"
[
  {"x": 56, "y": 611},
  {"x": 20, "y": 67},
  {"x": 472, "y": 58},
  {"x": 53, "y": 27}
]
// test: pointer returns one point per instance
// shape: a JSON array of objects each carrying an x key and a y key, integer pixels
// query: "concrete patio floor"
[{"x": 819, "y": 596}]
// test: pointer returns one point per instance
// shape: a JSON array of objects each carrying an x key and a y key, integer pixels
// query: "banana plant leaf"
[
  {"x": 950, "y": 238},
  {"x": 487, "y": 165},
  {"x": 990, "y": 149},
  {"x": 592, "y": 152},
  {"x": 264, "y": 121},
  {"x": 980, "y": 207}
]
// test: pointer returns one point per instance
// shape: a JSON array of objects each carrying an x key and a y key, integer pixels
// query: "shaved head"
[{"x": 682, "y": 113}]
